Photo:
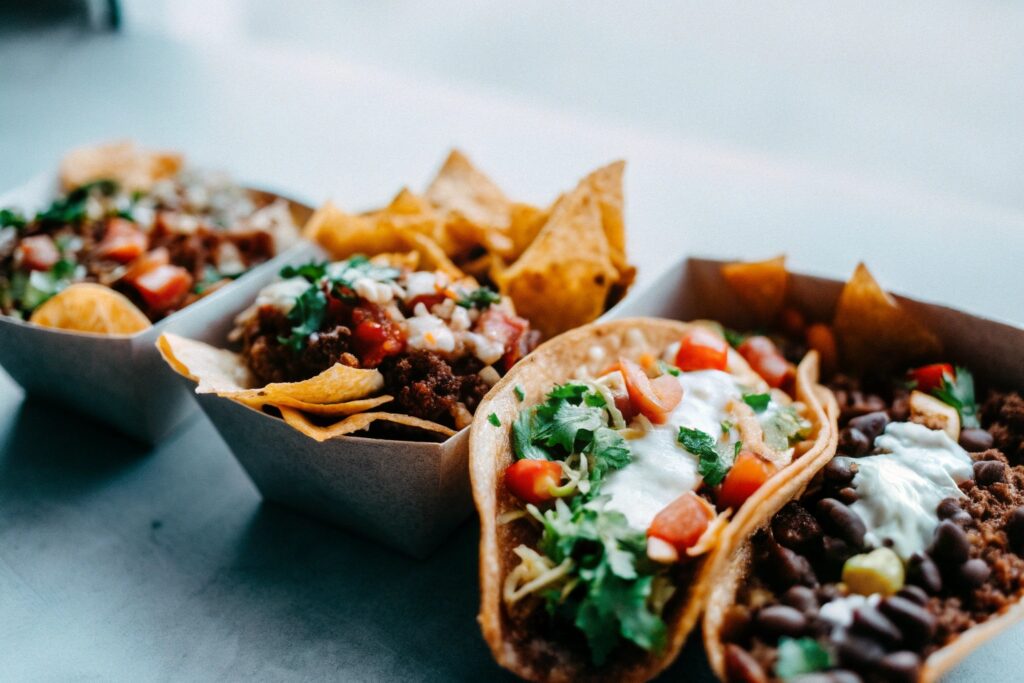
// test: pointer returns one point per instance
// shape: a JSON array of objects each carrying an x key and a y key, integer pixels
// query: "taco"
[
  {"x": 611, "y": 468},
  {"x": 132, "y": 237},
  {"x": 329, "y": 342},
  {"x": 907, "y": 549}
]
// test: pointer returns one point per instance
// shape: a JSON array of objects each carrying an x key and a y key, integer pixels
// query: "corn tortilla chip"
[
  {"x": 605, "y": 185},
  {"x": 358, "y": 405},
  {"x": 132, "y": 167},
  {"x": 355, "y": 423},
  {"x": 872, "y": 329},
  {"x": 760, "y": 285},
  {"x": 525, "y": 222},
  {"x": 460, "y": 188},
  {"x": 562, "y": 280}
]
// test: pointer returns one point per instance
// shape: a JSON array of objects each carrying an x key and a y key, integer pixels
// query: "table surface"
[{"x": 124, "y": 562}]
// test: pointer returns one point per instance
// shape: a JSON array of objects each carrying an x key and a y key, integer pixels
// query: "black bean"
[
  {"x": 839, "y": 471},
  {"x": 974, "y": 572},
  {"x": 975, "y": 440},
  {"x": 801, "y": 598},
  {"x": 736, "y": 624},
  {"x": 780, "y": 620},
  {"x": 827, "y": 593},
  {"x": 853, "y": 442},
  {"x": 1015, "y": 530},
  {"x": 858, "y": 652},
  {"x": 741, "y": 667},
  {"x": 796, "y": 528},
  {"x": 837, "y": 551},
  {"x": 948, "y": 507},
  {"x": 950, "y": 547},
  {"x": 790, "y": 568},
  {"x": 922, "y": 571},
  {"x": 847, "y": 495},
  {"x": 870, "y": 425},
  {"x": 915, "y": 622},
  {"x": 988, "y": 472},
  {"x": 843, "y": 520},
  {"x": 914, "y": 594},
  {"x": 900, "y": 667},
  {"x": 870, "y": 622}
]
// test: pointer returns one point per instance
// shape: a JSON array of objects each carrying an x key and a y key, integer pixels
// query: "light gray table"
[{"x": 128, "y": 563}]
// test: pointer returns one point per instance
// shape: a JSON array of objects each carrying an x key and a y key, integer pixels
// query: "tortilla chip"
[
  {"x": 533, "y": 655},
  {"x": 460, "y": 188},
  {"x": 326, "y": 409},
  {"x": 525, "y": 222},
  {"x": 92, "y": 308},
  {"x": 873, "y": 330},
  {"x": 760, "y": 285},
  {"x": 131, "y": 167},
  {"x": 605, "y": 185},
  {"x": 343, "y": 235},
  {"x": 562, "y": 280},
  {"x": 355, "y": 423},
  {"x": 224, "y": 373}
]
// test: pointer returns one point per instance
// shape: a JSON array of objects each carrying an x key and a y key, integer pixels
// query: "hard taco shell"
[{"x": 529, "y": 654}]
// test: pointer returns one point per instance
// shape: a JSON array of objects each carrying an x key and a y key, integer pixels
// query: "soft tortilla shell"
[{"x": 490, "y": 453}]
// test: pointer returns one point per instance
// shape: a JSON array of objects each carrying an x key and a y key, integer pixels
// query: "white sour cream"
[
  {"x": 282, "y": 295},
  {"x": 839, "y": 612},
  {"x": 428, "y": 332},
  {"x": 373, "y": 291},
  {"x": 900, "y": 490},
  {"x": 661, "y": 470}
]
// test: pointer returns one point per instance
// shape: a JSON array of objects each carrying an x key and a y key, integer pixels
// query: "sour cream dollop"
[
  {"x": 282, "y": 295},
  {"x": 661, "y": 470},
  {"x": 900, "y": 490}
]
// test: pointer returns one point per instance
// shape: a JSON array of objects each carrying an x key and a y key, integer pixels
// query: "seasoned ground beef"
[
  {"x": 1003, "y": 415},
  {"x": 272, "y": 361},
  {"x": 424, "y": 385}
]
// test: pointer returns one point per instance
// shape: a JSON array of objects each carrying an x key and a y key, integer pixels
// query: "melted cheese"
[
  {"x": 661, "y": 469},
  {"x": 900, "y": 490}
]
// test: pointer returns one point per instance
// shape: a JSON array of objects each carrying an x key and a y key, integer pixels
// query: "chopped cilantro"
[
  {"x": 667, "y": 369},
  {"x": 595, "y": 400},
  {"x": 713, "y": 464},
  {"x": 799, "y": 656},
  {"x": 566, "y": 423},
  {"x": 71, "y": 207},
  {"x": 212, "y": 276},
  {"x": 12, "y": 218},
  {"x": 493, "y": 419},
  {"x": 959, "y": 393},
  {"x": 520, "y": 394},
  {"x": 733, "y": 337},
  {"x": 727, "y": 426},
  {"x": 757, "y": 401},
  {"x": 482, "y": 297},
  {"x": 312, "y": 271},
  {"x": 306, "y": 317},
  {"x": 611, "y": 600},
  {"x": 785, "y": 427},
  {"x": 522, "y": 439}
]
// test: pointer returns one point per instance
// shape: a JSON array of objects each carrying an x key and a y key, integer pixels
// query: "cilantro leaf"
[
  {"x": 522, "y": 439},
  {"x": 733, "y": 337},
  {"x": 520, "y": 394},
  {"x": 12, "y": 218},
  {"x": 482, "y": 297},
  {"x": 757, "y": 401},
  {"x": 312, "y": 271},
  {"x": 306, "y": 317},
  {"x": 727, "y": 426},
  {"x": 493, "y": 419},
  {"x": 959, "y": 393},
  {"x": 71, "y": 208},
  {"x": 610, "y": 453},
  {"x": 667, "y": 369},
  {"x": 594, "y": 400},
  {"x": 800, "y": 656},
  {"x": 785, "y": 427},
  {"x": 566, "y": 423},
  {"x": 571, "y": 391},
  {"x": 712, "y": 464}
]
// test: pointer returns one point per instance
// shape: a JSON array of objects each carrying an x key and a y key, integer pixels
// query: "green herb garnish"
[
  {"x": 757, "y": 401},
  {"x": 71, "y": 208},
  {"x": 12, "y": 218},
  {"x": 520, "y": 394},
  {"x": 667, "y": 369},
  {"x": 713, "y": 463},
  {"x": 493, "y": 419},
  {"x": 785, "y": 427},
  {"x": 797, "y": 656},
  {"x": 727, "y": 426},
  {"x": 959, "y": 393},
  {"x": 479, "y": 298},
  {"x": 306, "y": 317},
  {"x": 611, "y": 599},
  {"x": 733, "y": 337}
]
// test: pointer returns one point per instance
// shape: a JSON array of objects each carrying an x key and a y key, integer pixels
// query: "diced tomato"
[
  {"x": 682, "y": 522},
  {"x": 929, "y": 377},
  {"x": 122, "y": 241},
  {"x": 702, "y": 349},
  {"x": 38, "y": 252},
  {"x": 376, "y": 335},
  {"x": 428, "y": 300},
  {"x": 148, "y": 261},
  {"x": 511, "y": 331},
  {"x": 766, "y": 360},
  {"x": 746, "y": 476},
  {"x": 163, "y": 286},
  {"x": 534, "y": 481},
  {"x": 653, "y": 399}
]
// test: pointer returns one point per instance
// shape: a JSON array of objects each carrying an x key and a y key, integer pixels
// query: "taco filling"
[
  {"x": 439, "y": 342},
  {"x": 136, "y": 222},
  {"x": 625, "y": 482},
  {"x": 909, "y": 537}
]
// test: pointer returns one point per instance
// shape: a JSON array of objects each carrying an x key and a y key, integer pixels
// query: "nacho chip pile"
[{"x": 562, "y": 266}]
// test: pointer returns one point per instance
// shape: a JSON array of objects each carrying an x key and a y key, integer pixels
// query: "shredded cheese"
[{"x": 535, "y": 571}]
